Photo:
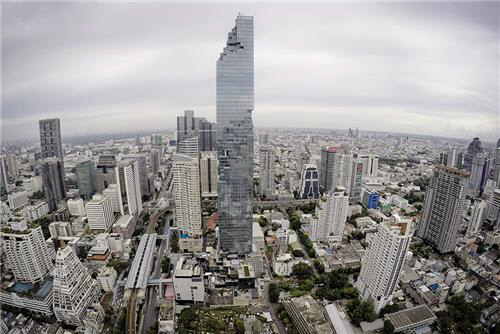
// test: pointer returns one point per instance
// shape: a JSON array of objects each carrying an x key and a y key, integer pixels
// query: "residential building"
[
  {"x": 480, "y": 172},
  {"x": 370, "y": 165},
  {"x": 309, "y": 182},
  {"x": 74, "y": 290},
  {"x": 370, "y": 199},
  {"x": 106, "y": 278},
  {"x": 143, "y": 171},
  {"x": 27, "y": 254},
  {"x": 266, "y": 170},
  {"x": 128, "y": 177},
  {"x": 383, "y": 262},
  {"x": 154, "y": 160},
  {"x": 335, "y": 169},
  {"x": 189, "y": 145},
  {"x": 307, "y": 315},
  {"x": 208, "y": 174},
  {"x": 443, "y": 207},
  {"x": 12, "y": 165},
  {"x": 36, "y": 211},
  {"x": 356, "y": 181},
  {"x": 85, "y": 172},
  {"x": 188, "y": 281},
  {"x": 60, "y": 229},
  {"x": 116, "y": 199},
  {"x": 50, "y": 138},
  {"x": 52, "y": 171},
  {"x": 76, "y": 207},
  {"x": 492, "y": 211},
  {"x": 200, "y": 127},
  {"x": 17, "y": 199},
  {"x": 477, "y": 217},
  {"x": 4, "y": 177},
  {"x": 235, "y": 138},
  {"x": 496, "y": 167},
  {"x": 99, "y": 213},
  {"x": 38, "y": 299},
  {"x": 332, "y": 215}
]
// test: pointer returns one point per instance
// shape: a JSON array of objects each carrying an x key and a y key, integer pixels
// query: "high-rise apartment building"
[
  {"x": 383, "y": 262},
  {"x": 106, "y": 171},
  {"x": 496, "y": 167},
  {"x": 12, "y": 165},
  {"x": 266, "y": 170},
  {"x": 370, "y": 165},
  {"x": 480, "y": 172},
  {"x": 50, "y": 138},
  {"x": 335, "y": 170},
  {"x": 235, "y": 103},
  {"x": 476, "y": 218},
  {"x": 154, "y": 160},
  {"x": 116, "y": 198},
  {"x": 86, "y": 178},
  {"x": 309, "y": 182},
  {"x": 451, "y": 160},
  {"x": 356, "y": 181},
  {"x": 4, "y": 178},
  {"x": 332, "y": 214},
  {"x": 128, "y": 176},
  {"x": 74, "y": 289},
  {"x": 189, "y": 126},
  {"x": 189, "y": 145},
  {"x": 187, "y": 195},
  {"x": 443, "y": 207},
  {"x": 143, "y": 172},
  {"x": 27, "y": 254},
  {"x": 99, "y": 213},
  {"x": 492, "y": 213},
  {"x": 208, "y": 174},
  {"x": 52, "y": 171}
]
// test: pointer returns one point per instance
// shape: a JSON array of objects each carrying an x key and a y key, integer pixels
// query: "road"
[
  {"x": 131, "y": 313},
  {"x": 273, "y": 308}
]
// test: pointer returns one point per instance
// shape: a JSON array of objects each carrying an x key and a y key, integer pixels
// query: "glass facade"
[{"x": 235, "y": 99}]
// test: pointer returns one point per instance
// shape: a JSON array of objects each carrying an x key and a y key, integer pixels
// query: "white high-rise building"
[
  {"x": 335, "y": 169},
  {"x": 189, "y": 145},
  {"x": 477, "y": 216},
  {"x": 443, "y": 207},
  {"x": 492, "y": 213},
  {"x": 266, "y": 170},
  {"x": 130, "y": 186},
  {"x": 451, "y": 160},
  {"x": 76, "y": 207},
  {"x": 370, "y": 166},
  {"x": 332, "y": 215},
  {"x": 383, "y": 262},
  {"x": 208, "y": 174},
  {"x": 27, "y": 254},
  {"x": 17, "y": 200},
  {"x": 116, "y": 200},
  {"x": 99, "y": 212},
  {"x": 187, "y": 194},
  {"x": 74, "y": 290}
]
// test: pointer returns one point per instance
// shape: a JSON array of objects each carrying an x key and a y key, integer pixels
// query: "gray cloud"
[{"x": 427, "y": 67}]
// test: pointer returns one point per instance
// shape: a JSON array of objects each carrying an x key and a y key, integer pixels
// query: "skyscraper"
[
  {"x": 480, "y": 172},
  {"x": 12, "y": 165},
  {"x": 189, "y": 145},
  {"x": 370, "y": 165},
  {"x": 129, "y": 183},
  {"x": 266, "y": 170},
  {"x": 200, "y": 127},
  {"x": 383, "y": 262},
  {"x": 496, "y": 167},
  {"x": 27, "y": 254},
  {"x": 74, "y": 289},
  {"x": 52, "y": 171},
  {"x": 143, "y": 171},
  {"x": 208, "y": 174},
  {"x": 476, "y": 217},
  {"x": 309, "y": 182},
  {"x": 154, "y": 160},
  {"x": 187, "y": 195},
  {"x": 4, "y": 180},
  {"x": 50, "y": 138},
  {"x": 356, "y": 181},
  {"x": 474, "y": 148},
  {"x": 86, "y": 178},
  {"x": 335, "y": 169},
  {"x": 443, "y": 207},
  {"x": 332, "y": 214},
  {"x": 492, "y": 211},
  {"x": 99, "y": 212},
  {"x": 235, "y": 103},
  {"x": 106, "y": 172}
]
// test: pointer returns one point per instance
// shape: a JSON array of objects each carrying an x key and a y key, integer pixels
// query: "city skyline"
[{"x": 366, "y": 72}]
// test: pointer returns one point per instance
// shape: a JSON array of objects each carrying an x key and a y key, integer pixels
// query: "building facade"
[
  {"x": 52, "y": 171},
  {"x": 266, "y": 170},
  {"x": 309, "y": 182},
  {"x": 332, "y": 215},
  {"x": 335, "y": 170},
  {"x": 85, "y": 172},
  {"x": 50, "y": 138},
  {"x": 106, "y": 171},
  {"x": 129, "y": 184},
  {"x": 208, "y": 174},
  {"x": 99, "y": 213}
]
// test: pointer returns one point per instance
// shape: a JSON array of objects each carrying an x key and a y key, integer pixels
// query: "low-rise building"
[
  {"x": 307, "y": 315},
  {"x": 188, "y": 281},
  {"x": 412, "y": 318},
  {"x": 106, "y": 278}
]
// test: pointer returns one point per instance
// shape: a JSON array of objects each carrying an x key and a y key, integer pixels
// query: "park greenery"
[
  {"x": 118, "y": 265},
  {"x": 459, "y": 317},
  {"x": 302, "y": 270},
  {"x": 262, "y": 221},
  {"x": 274, "y": 293},
  {"x": 218, "y": 320},
  {"x": 174, "y": 243},
  {"x": 360, "y": 310},
  {"x": 304, "y": 240},
  {"x": 335, "y": 285},
  {"x": 421, "y": 250}
]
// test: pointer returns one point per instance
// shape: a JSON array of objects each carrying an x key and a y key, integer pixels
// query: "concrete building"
[
  {"x": 60, "y": 229},
  {"x": 27, "y": 254},
  {"x": 18, "y": 200},
  {"x": 99, "y": 213},
  {"x": 143, "y": 170},
  {"x": 36, "y": 211},
  {"x": 128, "y": 177},
  {"x": 189, "y": 145},
  {"x": 477, "y": 216},
  {"x": 74, "y": 289},
  {"x": 332, "y": 214},
  {"x": 383, "y": 262},
  {"x": 235, "y": 142},
  {"x": 356, "y": 181},
  {"x": 443, "y": 207},
  {"x": 38, "y": 299},
  {"x": 12, "y": 165},
  {"x": 370, "y": 198},
  {"x": 492, "y": 213},
  {"x": 188, "y": 281},
  {"x": 370, "y": 166},
  {"x": 335, "y": 170},
  {"x": 116, "y": 200},
  {"x": 105, "y": 172},
  {"x": 266, "y": 170},
  {"x": 203, "y": 129},
  {"x": 496, "y": 167},
  {"x": 258, "y": 237},
  {"x": 52, "y": 171},
  {"x": 76, "y": 207},
  {"x": 85, "y": 172},
  {"x": 4, "y": 177},
  {"x": 307, "y": 315},
  {"x": 154, "y": 160},
  {"x": 50, "y": 138},
  {"x": 480, "y": 173},
  {"x": 34, "y": 183},
  {"x": 106, "y": 278},
  {"x": 282, "y": 237},
  {"x": 208, "y": 174},
  {"x": 309, "y": 182}
]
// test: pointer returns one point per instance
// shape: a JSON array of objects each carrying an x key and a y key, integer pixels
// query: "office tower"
[
  {"x": 116, "y": 198},
  {"x": 143, "y": 172},
  {"x": 189, "y": 126},
  {"x": 52, "y": 171},
  {"x": 356, "y": 181},
  {"x": 496, "y": 168},
  {"x": 12, "y": 165},
  {"x": 480, "y": 172},
  {"x": 99, "y": 213},
  {"x": 370, "y": 166},
  {"x": 50, "y": 138},
  {"x": 105, "y": 173},
  {"x": 309, "y": 182},
  {"x": 335, "y": 170},
  {"x": 187, "y": 195},
  {"x": 74, "y": 290},
  {"x": 208, "y": 174},
  {"x": 266, "y": 170},
  {"x": 129, "y": 185},
  {"x": 492, "y": 213},
  {"x": 332, "y": 214},
  {"x": 443, "y": 207},
  {"x": 383, "y": 262},
  {"x": 263, "y": 139},
  {"x": 27, "y": 254},
  {"x": 460, "y": 160},
  {"x": 452, "y": 157},
  {"x": 154, "y": 160},
  {"x": 370, "y": 198},
  {"x": 157, "y": 139},
  {"x": 473, "y": 149},
  {"x": 189, "y": 145},
  {"x": 4, "y": 180},
  {"x": 86, "y": 178},
  {"x": 476, "y": 217},
  {"x": 235, "y": 95},
  {"x": 443, "y": 158}
]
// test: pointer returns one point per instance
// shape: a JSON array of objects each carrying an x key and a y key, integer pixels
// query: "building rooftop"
[{"x": 411, "y": 317}]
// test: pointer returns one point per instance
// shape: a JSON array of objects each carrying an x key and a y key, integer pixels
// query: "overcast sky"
[{"x": 425, "y": 68}]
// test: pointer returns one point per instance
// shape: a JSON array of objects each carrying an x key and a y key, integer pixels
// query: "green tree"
[
  {"x": 302, "y": 270},
  {"x": 274, "y": 293},
  {"x": 174, "y": 243},
  {"x": 297, "y": 253},
  {"x": 239, "y": 326},
  {"x": 388, "y": 327},
  {"x": 320, "y": 267}
]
